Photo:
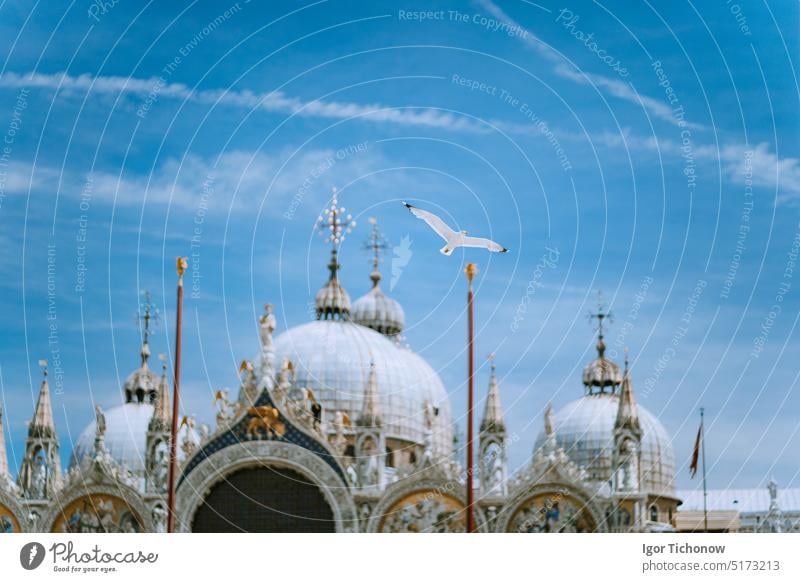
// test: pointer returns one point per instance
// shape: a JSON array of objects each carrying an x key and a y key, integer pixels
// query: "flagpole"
[
  {"x": 181, "y": 265},
  {"x": 470, "y": 271},
  {"x": 705, "y": 491}
]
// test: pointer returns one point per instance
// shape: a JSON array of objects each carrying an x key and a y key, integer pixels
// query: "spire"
[
  {"x": 493, "y": 413},
  {"x": 332, "y": 301},
  {"x": 375, "y": 310},
  {"x": 370, "y": 411},
  {"x": 161, "y": 420},
  {"x": 600, "y": 316},
  {"x": 377, "y": 244},
  {"x": 3, "y": 454},
  {"x": 42, "y": 425},
  {"x": 146, "y": 314},
  {"x": 627, "y": 415},
  {"x": 40, "y": 473}
]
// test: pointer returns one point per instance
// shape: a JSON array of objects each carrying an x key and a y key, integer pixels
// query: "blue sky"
[{"x": 655, "y": 160}]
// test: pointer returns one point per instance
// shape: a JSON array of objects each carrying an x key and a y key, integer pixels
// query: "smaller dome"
[
  {"x": 125, "y": 437},
  {"x": 379, "y": 312},
  {"x": 601, "y": 372},
  {"x": 332, "y": 301},
  {"x": 141, "y": 386}
]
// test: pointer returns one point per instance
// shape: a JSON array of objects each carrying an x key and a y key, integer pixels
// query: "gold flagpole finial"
[
  {"x": 180, "y": 265},
  {"x": 471, "y": 270}
]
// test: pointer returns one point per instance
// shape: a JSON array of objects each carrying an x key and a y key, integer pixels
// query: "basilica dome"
[
  {"x": 584, "y": 428},
  {"x": 125, "y": 436},
  {"x": 333, "y": 358}
]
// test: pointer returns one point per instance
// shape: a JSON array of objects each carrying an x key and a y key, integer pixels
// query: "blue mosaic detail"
[{"x": 238, "y": 433}]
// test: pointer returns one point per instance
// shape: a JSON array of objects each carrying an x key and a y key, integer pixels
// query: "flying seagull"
[{"x": 452, "y": 238}]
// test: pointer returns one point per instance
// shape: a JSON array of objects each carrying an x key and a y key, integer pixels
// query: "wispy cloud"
[
  {"x": 239, "y": 180},
  {"x": 274, "y": 101},
  {"x": 566, "y": 70}
]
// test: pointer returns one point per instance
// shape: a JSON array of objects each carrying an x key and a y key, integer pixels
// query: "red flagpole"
[
  {"x": 181, "y": 265},
  {"x": 470, "y": 271}
]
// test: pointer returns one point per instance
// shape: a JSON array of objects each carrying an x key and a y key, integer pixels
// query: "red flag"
[{"x": 696, "y": 452}]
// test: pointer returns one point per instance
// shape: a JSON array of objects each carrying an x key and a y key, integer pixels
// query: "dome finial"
[
  {"x": 375, "y": 309},
  {"x": 332, "y": 300},
  {"x": 377, "y": 244},
  {"x": 600, "y": 316},
  {"x": 147, "y": 314}
]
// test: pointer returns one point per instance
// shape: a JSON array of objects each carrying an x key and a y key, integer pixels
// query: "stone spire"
[
  {"x": 370, "y": 411},
  {"x": 42, "y": 424},
  {"x": 40, "y": 474},
  {"x": 492, "y": 446},
  {"x": 3, "y": 455},
  {"x": 332, "y": 301},
  {"x": 162, "y": 416},
  {"x": 493, "y": 412},
  {"x": 627, "y": 415}
]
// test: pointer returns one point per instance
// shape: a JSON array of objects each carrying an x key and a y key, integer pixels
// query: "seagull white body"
[{"x": 453, "y": 238}]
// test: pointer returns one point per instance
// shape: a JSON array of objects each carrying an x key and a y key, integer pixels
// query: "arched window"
[
  {"x": 389, "y": 457},
  {"x": 653, "y": 513}
]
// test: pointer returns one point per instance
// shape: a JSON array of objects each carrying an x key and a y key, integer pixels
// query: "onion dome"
[
  {"x": 601, "y": 373},
  {"x": 142, "y": 385},
  {"x": 376, "y": 310},
  {"x": 332, "y": 301}
]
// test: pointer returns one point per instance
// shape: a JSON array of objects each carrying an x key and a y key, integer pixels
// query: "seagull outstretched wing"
[
  {"x": 436, "y": 223},
  {"x": 484, "y": 243}
]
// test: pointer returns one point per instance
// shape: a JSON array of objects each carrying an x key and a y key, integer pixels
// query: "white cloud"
[
  {"x": 240, "y": 180},
  {"x": 566, "y": 70},
  {"x": 153, "y": 89}
]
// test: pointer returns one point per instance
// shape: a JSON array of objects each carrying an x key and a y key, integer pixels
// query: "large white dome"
[
  {"x": 332, "y": 358},
  {"x": 584, "y": 428}
]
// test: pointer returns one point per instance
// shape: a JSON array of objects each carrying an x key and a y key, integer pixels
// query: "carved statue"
[
  {"x": 281, "y": 391},
  {"x": 340, "y": 423},
  {"x": 268, "y": 324},
  {"x": 101, "y": 421},
  {"x": 265, "y": 419},
  {"x": 188, "y": 446},
  {"x": 548, "y": 420},
  {"x": 159, "y": 515},
  {"x": 39, "y": 477},
  {"x": 224, "y": 408},
  {"x": 772, "y": 487}
]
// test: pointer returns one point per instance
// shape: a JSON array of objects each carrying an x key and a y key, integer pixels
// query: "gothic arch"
[
  {"x": 212, "y": 470},
  {"x": 555, "y": 490},
  {"x": 111, "y": 491},
  {"x": 11, "y": 507},
  {"x": 425, "y": 488}
]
